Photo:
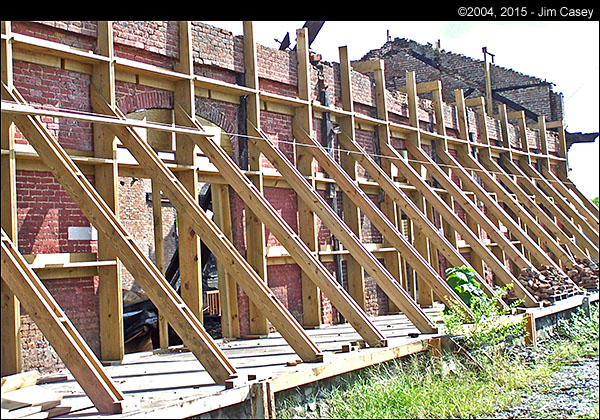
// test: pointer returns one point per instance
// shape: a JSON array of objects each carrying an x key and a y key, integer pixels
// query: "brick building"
[{"x": 46, "y": 214}]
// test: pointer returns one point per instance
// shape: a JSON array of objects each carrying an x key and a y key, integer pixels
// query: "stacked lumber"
[
  {"x": 584, "y": 273},
  {"x": 547, "y": 284},
  {"x": 23, "y": 399}
]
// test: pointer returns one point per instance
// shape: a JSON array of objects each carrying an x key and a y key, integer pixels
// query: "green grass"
[{"x": 447, "y": 387}]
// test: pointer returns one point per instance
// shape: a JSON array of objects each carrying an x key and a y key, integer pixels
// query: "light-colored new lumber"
[
  {"x": 10, "y": 333},
  {"x": 110, "y": 288},
  {"x": 307, "y": 222},
  {"x": 214, "y": 239},
  {"x": 568, "y": 210},
  {"x": 571, "y": 197},
  {"x": 528, "y": 203},
  {"x": 516, "y": 206},
  {"x": 58, "y": 329},
  {"x": 494, "y": 208},
  {"x": 190, "y": 266},
  {"x": 423, "y": 224},
  {"x": 255, "y": 229},
  {"x": 317, "y": 204},
  {"x": 452, "y": 219},
  {"x": 19, "y": 380},
  {"x": 381, "y": 223},
  {"x": 350, "y": 212}
]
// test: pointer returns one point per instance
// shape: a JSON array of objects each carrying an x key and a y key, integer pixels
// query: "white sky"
[{"x": 564, "y": 53}]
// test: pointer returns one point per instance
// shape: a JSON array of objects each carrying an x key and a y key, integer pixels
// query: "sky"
[{"x": 562, "y": 52}]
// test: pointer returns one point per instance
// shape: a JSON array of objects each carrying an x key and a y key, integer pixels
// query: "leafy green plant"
[
  {"x": 485, "y": 328},
  {"x": 595, "y": 201},
  {"x": 462, "y": 280}
]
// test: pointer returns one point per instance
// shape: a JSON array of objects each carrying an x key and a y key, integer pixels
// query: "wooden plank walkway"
[{"x": 173, "y": 383}]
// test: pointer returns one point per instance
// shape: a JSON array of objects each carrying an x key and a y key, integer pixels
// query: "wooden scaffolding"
[{"x": 531, "y": 215}]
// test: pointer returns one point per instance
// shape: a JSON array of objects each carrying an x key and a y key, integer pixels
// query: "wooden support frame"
[
  {"x": 424, "y": 225},
  {"x": 380, "y": 221},
  {"x": 303, "y": 256},
  {"x": 351, "y": 213},
  {"x": 10, "y": 333},
  {"x": 110, "y": 289},
  {"x": 499, "y": 269},
  {"x": 547, "y": 188},
  {"x": 255, "y": 229},
  {"x": 190, "y": 266},
  {"x": 319, "y": 206},
  {"x": 582, "y": 240},
  {"x": 150, "y": 279},
  {"x": 214, "y": 239},
  {"x": 58, "y": 329},
  {"x": 307, "y": 222}
]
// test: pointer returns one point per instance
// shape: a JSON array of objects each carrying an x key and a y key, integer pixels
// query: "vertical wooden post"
[
  {"x": 421, "y": 242},
  {"x": 159, "y": 257},
  {"x": 255, "y": 229},
  {"x": 355, "y": 272},
  {"x": 11, "y": 308},
  {"x": 106, "y": 178},
  {"x": 393, "y": 261},
  {"x": 190, "y": 266},
  {"x": 311, "y": 295},
  {"x": 230, "y": 323}
]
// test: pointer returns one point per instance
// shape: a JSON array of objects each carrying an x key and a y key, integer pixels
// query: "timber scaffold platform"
[{"x": 510, "y": 180}]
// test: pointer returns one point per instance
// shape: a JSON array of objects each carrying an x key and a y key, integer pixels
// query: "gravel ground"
[{"x": 571, "y": 393}]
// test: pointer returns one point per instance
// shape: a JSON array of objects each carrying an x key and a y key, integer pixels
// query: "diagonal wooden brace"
[
  {"x": 58, "y": 329},
  {"x": 317, "y": 204},
  {"x": 309, "y": 263},
  {"x": 212, "y": 236},
  {"x": 103, "y": 218}
]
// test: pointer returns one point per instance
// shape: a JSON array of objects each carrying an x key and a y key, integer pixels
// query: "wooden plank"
[
  {"x": 307, "y": 222},
  {"x": 149, "y": 278},
  {"x": 190, "y": 265},
  {"x": 230, "y": 325},
  {"x": 26, "y": 412},
  {"x": 19, "y": 380},
  {"x": 29, "y": 396},
  {"x": 393, "y": 261},
  {"x": 255, "y": 229},
  {"x": 10, "y": 333},
  {"x": 110, "y": 289},
  {"x": 350, "y": 212},
  {"x": 59, "y": 331},
  {"x": 215, "y": 240},
  {"x": 308, "y": 262},
  {"x": 317, "y": 204}
]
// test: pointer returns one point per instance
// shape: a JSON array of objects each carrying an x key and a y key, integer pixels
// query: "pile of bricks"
[
  {"x": 547, "y": 283},
  {"x": 584, "y": 274}
]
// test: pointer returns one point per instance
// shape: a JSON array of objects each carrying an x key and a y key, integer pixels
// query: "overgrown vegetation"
[{"x": 422, "y": 386}]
